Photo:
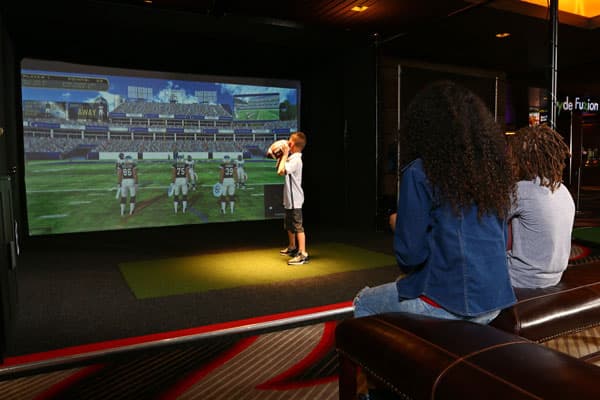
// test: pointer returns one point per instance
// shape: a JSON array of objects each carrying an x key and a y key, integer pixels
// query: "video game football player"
[
  {"x": 118, "y": 164},
  {"x": 192, "y": 174},
  {"x": 127, "y": 181},
  {"x": 228, "y": 179},
  {"x": 180, "y": 177},
  {"x": 241, "y": 173}
]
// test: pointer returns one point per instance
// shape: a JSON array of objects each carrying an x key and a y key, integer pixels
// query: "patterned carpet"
[
  {"x": 584, "y": 345},
  {"x": 294, "y": 364}
]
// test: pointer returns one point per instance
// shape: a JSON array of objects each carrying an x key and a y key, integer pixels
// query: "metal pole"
[
  {"x": 553, "y": 62},
  {"x": 376, "y": 44},
  {"x": 496, "y": 100},
  {"x": 571, "y": 152}
]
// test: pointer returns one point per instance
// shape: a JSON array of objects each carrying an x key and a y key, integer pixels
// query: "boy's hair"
[
  {"x": 462, "y": 148},
  {"x": 539, "y": 151},
  {"x": 298, "y": 137}
]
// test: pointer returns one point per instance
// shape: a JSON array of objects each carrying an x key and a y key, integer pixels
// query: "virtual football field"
[
  {"x": 257, "y": 115},
  {"x": 76, "y": 196}
]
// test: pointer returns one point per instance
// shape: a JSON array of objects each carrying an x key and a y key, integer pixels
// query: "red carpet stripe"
[
  {"x": 56, "y": 389},
  {"x": 285, "y": 381},
  {"x": 113, "y": 344},
  {"x": 190, "y": 380}
]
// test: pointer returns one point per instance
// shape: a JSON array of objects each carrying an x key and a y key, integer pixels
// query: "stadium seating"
[
  {"x": 62, "y": 145},
  {"x": 212, "y": 110}
]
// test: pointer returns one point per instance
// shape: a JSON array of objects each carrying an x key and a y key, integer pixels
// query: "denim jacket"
[{"x": 459, "y": 261}]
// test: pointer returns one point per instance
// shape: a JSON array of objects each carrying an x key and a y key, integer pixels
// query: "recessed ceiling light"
[
  {"x": 359, "y": 8},
  {"x": 502, "y": 35}
]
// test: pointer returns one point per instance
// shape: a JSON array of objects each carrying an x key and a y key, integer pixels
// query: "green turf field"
[
  {"x": 257, "y": 115},
  {"x": 204, "y": 272},
  {"x": 587, "y": 234},
  {"x": 76, "y": 196}
]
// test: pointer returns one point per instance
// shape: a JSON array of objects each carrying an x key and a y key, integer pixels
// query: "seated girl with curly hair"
[{"x": 455, "y": 195}]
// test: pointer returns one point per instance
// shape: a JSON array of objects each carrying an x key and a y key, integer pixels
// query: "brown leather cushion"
[
  {"x": 570, "y": 306},
  {"x": 426, "y": 358}
]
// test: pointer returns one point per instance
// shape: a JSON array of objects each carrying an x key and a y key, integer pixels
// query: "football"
[{"x": 277, "y": 148}]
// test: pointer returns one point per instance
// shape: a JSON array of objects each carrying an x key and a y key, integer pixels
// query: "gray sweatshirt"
[{"x": 542, "y": 222}]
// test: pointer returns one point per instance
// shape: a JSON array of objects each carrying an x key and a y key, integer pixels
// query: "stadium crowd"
[
  {"x": 63, "y": 145},
  {"x": 211, "y": 110}
]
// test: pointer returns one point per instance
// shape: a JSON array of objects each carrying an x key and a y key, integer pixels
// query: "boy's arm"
[{"x": 281, "y": 163}]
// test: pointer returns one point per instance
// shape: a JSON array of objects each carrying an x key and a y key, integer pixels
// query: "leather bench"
[
  {"x": 543, "y": 314},
  {"x": 417, "y": 357}
]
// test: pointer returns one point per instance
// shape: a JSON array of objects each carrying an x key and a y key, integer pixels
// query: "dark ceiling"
[{"x": 449, "y": 31}]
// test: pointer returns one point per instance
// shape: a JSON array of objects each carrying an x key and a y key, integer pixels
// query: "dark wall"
[{"x": 336, "y": 71}]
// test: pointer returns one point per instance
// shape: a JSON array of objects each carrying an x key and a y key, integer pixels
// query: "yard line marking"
[
  {"x": 112, "y": 189},
  {"x": 51, "y": 216}
]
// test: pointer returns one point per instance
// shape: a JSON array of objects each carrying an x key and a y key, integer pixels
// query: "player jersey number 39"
[{"x": 228, "y": 171}]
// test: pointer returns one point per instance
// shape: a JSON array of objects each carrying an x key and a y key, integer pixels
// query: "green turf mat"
[
  {"x": 204, "y": 272},
  {"x": 587, "y": 234}
]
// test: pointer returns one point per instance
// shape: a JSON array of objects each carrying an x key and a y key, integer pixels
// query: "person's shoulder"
[{"x": 415, "y": 169}]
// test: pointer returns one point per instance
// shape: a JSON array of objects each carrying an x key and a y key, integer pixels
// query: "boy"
[
  {"x": 542, "y": 215},
  {"x": 290, "y": 166}
]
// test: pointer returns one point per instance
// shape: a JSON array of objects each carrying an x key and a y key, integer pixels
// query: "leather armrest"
[
  {"x": 542, "y": 314},
  {"x": 425, "y": 358}
]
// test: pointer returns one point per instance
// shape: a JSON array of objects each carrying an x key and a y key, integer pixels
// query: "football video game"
[{"x": 109, "y": 148}]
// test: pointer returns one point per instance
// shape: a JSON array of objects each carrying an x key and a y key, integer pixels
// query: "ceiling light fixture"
[
  {"x": 359, "y": 8},
  {"x": 148, "y": 1},
  {"x": 509, "y": 133},
  {"x": 502, "y": 35}
]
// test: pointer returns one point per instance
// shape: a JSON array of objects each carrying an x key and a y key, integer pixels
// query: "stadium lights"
[
  {"x": 359, "y": 8},
  {"x": 502, "y": 35}
]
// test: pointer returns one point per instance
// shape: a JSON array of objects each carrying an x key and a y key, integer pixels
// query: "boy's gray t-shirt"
[{"x": 542, "y": 222}]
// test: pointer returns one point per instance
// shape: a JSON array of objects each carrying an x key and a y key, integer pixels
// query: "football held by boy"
[{"x": 290, "y": 166}]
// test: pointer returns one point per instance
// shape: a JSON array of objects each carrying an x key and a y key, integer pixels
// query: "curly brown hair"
[
  {"x": 463, "y": 149},
  {"x": 539, "y": 152}
]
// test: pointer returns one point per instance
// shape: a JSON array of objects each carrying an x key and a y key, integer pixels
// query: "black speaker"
[{"x": 8, "y": 263}]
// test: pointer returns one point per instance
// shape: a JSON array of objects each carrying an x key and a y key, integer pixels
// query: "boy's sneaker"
[
  {"x": 299, "y": 259},
  {"x": 288, "y": 252}
]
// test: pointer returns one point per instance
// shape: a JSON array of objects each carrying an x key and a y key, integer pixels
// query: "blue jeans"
[{"x": 384, "y": 299}]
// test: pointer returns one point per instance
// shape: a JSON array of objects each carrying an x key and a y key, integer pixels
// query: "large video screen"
[{"x": 110, "y": 148}]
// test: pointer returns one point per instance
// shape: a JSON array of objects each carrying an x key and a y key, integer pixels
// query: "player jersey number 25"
[
  {"x": 127, "y": 172},
  {"x": 228, "y": 171}
]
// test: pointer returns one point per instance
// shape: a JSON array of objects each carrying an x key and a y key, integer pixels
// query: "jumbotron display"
[{"x": 110, "y": 148}]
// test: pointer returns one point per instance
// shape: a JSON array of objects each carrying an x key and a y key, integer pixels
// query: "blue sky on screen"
[{"x": 161, "y": 89}]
